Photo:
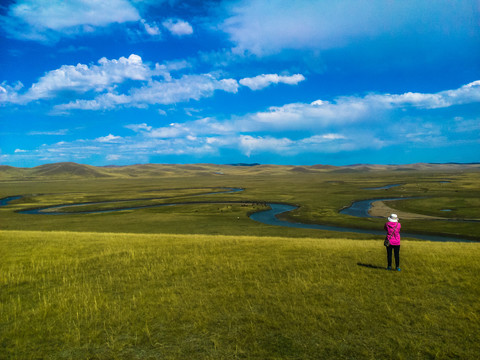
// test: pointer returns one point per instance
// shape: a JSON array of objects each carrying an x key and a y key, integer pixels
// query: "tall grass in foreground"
[{"x": 116, "y": 296}]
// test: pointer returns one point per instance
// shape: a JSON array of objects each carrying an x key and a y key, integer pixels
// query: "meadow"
[
  {"x": 201, "y": 280},
  {"x": 320, "y": 192},
  {"x": 71, "y": 295}
]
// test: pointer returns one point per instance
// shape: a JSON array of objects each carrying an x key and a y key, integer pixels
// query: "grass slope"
[
  {"x": 70, "y": 170},
  {"x": 67, "y": 295}
]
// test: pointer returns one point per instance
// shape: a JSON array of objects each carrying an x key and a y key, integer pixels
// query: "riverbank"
[
  {"x": 381, "y": 209},
  {"x": 137, "y": 204}
]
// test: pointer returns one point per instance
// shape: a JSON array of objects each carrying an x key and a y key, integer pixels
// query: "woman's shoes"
[{"x": 390, "y": 268}]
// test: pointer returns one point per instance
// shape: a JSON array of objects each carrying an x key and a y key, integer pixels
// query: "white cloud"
[
  {"x": 102, "y": 102},
  {"x": 9, "y": 93},
  {"x": 331, "y": 126},
  {"x": 355, "y": 109},
  {"x": 109, "y": 138},
  {"x": 113, "y": 157},
  {"x": 178, "y": 27},
  {"x": 471, "y": 126},
  {"x": 188, "y": 87},
  {"x": 82, "y": 78},
  {"x": 322, "y": 138},
  {"x": 151, "y": 29},
  {"x": 103, "y": 78},
  {"x": 55, "y": 132},
  {"x": 48, "y": 19},
  {"x": 198, "y": 128},
  {"x": 312, "y": 116},
  {"x": 341, "y": 121},
  {"x": 139, "y": 127},
  {"x": 264, "y": 80},
  {"x": 173, "y": 131},
  {"x": 327, "y": 143},
  {"x": 268, "y": 27},
  {"x": 469, "y": 93},
  {"x": 141, "y": 147},
  {"x": 250, "y": 144}
]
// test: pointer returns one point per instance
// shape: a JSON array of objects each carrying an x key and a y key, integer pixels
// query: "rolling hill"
[{"x": 71, "y": 170}]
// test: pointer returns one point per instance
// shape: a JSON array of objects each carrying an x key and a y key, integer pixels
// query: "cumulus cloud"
[
  {"x": 264, "y": 80},
  {"x": 80, "y": 78},
  {"x": 188, "y": 87},
  {"x": 109, "y": 138},
  {"x": 250, "y": 144},
  {"x": 139, "y": 127},
  {"x": 151, "y": 85},
  {"x": 178, "y": 27},
  {"x": 46, "y": 20},
  {"x": 468, "y": 93},
  {"x": 9, "y": 93},
  {"x": 102, "y": 102},
  {"x": 151, "y": 29},
  {"x": 355, "y": 109},
  {"x": 342, "y": 124},
  {"x": 105, "y": 76},
  {"x": 336, "y": 124}
]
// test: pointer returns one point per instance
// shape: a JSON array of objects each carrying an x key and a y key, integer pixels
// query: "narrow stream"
[{"x": 269, "y": 217}]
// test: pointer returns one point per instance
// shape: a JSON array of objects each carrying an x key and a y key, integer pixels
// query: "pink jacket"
[{"x": 393, "y": 229}]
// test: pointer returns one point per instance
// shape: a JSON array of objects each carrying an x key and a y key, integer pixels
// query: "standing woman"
[{"x": 393, "y": 233}]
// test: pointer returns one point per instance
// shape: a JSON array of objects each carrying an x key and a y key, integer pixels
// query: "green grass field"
[
  {"x": 319, "y": 192},
  {"x": 72, "y": 295},
  {"x": 204, "y": 281}
]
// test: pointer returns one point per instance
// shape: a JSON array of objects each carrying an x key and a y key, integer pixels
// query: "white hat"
[{"x": 393, "y": 218}]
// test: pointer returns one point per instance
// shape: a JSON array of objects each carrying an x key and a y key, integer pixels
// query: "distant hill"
[
  {"x": 11, "y": 171},
  {"x": 70, "y": 170},
  {"x": 323, "y": 167},
  {"x": 302, "y": 169},
  {"x": 244, "y": 164}
]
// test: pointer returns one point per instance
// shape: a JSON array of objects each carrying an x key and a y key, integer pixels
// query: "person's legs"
[
  {"x": 396, "y": 251},
  {"x": 389, "y": 256}
]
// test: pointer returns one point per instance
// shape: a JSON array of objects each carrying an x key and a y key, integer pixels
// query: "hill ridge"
[{"x": 72, "y": 170}]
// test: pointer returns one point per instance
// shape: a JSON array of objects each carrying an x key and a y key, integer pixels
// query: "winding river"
[{"x": 269, "y": 217}]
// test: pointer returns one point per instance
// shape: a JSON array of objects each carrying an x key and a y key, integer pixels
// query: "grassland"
[
  {"x": 70, "y": 295},
  {"x": 319, "y": 191},
  {"x": 203, "y": 281}
]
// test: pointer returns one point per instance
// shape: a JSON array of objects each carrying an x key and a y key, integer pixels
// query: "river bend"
[{"x": 269, "y": 217}]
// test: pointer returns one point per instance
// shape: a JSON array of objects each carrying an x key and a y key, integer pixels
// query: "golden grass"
[{"x": 67, "y": 295}]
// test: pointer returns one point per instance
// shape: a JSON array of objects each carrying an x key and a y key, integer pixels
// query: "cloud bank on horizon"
[{"x": 222, "y": 81}]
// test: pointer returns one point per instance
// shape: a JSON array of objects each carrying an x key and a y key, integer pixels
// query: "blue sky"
[{"x": 279, "y": 82}]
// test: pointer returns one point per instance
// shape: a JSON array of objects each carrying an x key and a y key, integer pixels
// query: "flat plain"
[
  {"x": 449, "y": 192},
  {"x": 201, "y": 280}
]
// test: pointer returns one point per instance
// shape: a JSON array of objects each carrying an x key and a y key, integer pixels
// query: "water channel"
[{"x": 269, "y": 217}]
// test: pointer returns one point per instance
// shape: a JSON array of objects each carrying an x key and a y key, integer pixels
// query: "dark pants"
[{"x": 396, "y": 252}]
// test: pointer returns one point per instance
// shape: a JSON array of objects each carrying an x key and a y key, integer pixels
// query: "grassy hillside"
[
  {"x": 67, "y": 295},
  {"x": 69, "y": 170}
]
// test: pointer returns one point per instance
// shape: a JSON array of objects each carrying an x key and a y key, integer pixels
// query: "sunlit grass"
[{"x": 67, "y": 295}]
